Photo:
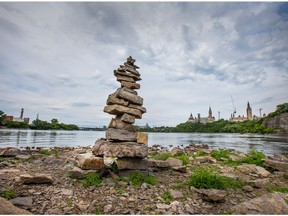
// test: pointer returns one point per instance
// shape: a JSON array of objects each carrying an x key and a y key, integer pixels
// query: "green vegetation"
[
  {"x": 9, "y": 193},
  {"x": 206, "y": 179},
  {"x": 91, "y": 179},
  {"x": 14, "y": 124},
  {"x": 285, "y": 175},
  {"x": 98, "y": 210},
  {"x": 254, "y": 157},
  {"x": 220, "y": 153},
  {"x": 45, "y": 151},
  {"x": 184, "y": 158},
  {"x": 200, "y": 153},
  {"x": 54, "y": 125},
  {"x": 166, "y": 196},
  {"x": 281, "y": 108},
  {"x": 138, "y": 178},
  {"x": 278, "y": 189}
]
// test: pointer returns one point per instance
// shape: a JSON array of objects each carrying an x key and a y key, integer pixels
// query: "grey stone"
[
  {"x": 121, "y": 135},
  {"x": 89, "y": 161},
  {"x": 176, "y": 194},
  {"x": 118, "y": 124},
  {"x": 158, "y": 163},
  {"x": 276, "y": 165},
  {"x": 23, "y": 157},
  {"x": 177, "y": 151},
  {"x": 9, "y": 152},
  {"x": 7, "y": 208},
  {"x": 126, "y": 118},
  {"x": 22, "y": 201},
  {"x": 119, "y": 109},
  {"x": 213, "y": 195},
  {"x": 66, "y": 192},
  {"x": 119, "y": 149},
  {"x": 271, "y": 203},
  {"x": 131, "y": 85},
  {"x": 205, "y": 159},
  {"x": 173, "y": 162},
  {"x": 162, "y": 206},
  {"x": 121, "y": 73},
  {"x": 132, "y": 163},
  {"x": 259, "y": 183},
  {"x": 76, "y": 173},
  {"x": 181, "y": 169},
  {"x": 253, "y": 169},
  {"x": 126, "y": 95},
  {"x": 107, "y": 208}
]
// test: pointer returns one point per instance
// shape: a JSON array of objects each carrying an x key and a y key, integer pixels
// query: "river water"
[{"x": 268, "y": 144}]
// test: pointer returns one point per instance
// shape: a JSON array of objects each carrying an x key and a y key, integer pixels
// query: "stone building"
[
  {"x": 203, "y": 120},
  {"x": 242, "y": 118}
]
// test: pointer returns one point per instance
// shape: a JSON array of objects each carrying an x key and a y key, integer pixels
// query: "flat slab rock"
[
  {"x": 36, "y": 179},
  {"x": 119, "y": 149},
  {"x": 7, "y": 208},
  {"x": 89, "y": 161}
]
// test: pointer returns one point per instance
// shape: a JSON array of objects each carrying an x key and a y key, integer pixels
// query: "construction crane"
[
  {"x": 234, "y": 109},
  {"x": 260, "y": 109}
]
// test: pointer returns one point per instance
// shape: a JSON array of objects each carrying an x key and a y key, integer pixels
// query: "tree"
[
  {"x": 54, "y": 121},
  {"x": 2, "y": 116}
]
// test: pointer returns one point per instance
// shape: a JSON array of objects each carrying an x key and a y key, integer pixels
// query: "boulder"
[
  {"x": 271, "y": 203},
  {"x": 158, "y": 163},
  {"x": 36, "y": 179},
  {"x": 89, "y": 161},
  {"x": 253, "y": 169},
  {"x": 126, "y": 95},
  {"x": 213, "y": 195},
  {"x": 119, "y": 109},
  {"x": 259, "y": 183},
  {"x": 173, "y": 162},
  {"x": 118, "y": 124},
  {"x": 121, "y": 135},
  {"x": 132, "y": 163},
  {"x": 142, "y": 138},
  {"x": 7, "y": 208},
  {"x": 177, "y": 151},
  {"x": 276, "y": 165},
  {"x": 9, "y": 152},
  {"x": 76, "y": 173},
  {"x": 205, "y": 159},
  {"x": 119, "y": 149},
  {"x": 176, "y": 194}
]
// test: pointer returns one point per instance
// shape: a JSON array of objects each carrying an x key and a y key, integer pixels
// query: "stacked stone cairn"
[{"x": 124, "y": 146}]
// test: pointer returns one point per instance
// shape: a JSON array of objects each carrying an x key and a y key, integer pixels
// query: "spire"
[
  {"x": 248, "y": 105},
  {"x": 210, "y": 112}
]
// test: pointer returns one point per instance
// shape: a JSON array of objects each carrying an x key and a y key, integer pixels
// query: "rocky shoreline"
[{"x": 50, "y": 181}]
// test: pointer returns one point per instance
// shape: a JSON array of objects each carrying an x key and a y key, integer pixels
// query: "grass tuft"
[
  {"x": 167, "y": 196},
  {"x": 45, "y": 151},
  {"x": 91, "y": 179},
  {"x": 9, "y": 193},
  {"x": 220, "y": 153},
  {"x": 138, "y": 178},
  {"x": 278, "y": 189}
]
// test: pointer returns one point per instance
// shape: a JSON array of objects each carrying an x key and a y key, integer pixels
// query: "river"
[{"x": 268, "y": 144}]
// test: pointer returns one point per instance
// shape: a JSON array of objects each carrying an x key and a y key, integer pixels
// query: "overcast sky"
[{"x": 57, "y": 59}]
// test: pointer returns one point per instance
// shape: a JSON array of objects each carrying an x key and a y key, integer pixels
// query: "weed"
[
  {"x": 220, "y": 153},
  {"x": 164, "y": 156},
  {"x": 166, "y": 196},
  {"x": 285, "y": 175},
  {"x": 150, "y": 180},
  {"x": 278, "y": 189},
  {"x": 254, "y": 157},
  {"x": 9, "y": 193},
  {"x": 286, "y": 200},
  {"x": 98, "y": 210},
  {"x": 56, "y": 152},
  {"x": 204, "y": 178},
  {"x": 2, "y": 159},
  {"x": 91, "y": 179},
  {"x": 45, "y": 151},
  {"x": 184, "y": 159},
  {"x": 200, "y": 153},
  {"x": 114, "y": 168},
  {"x": 138, "y": 178},
  {"x": 69, "y": 202}
]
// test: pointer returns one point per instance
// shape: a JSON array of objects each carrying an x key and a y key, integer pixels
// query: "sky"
[{"x": 57, "y": 58}]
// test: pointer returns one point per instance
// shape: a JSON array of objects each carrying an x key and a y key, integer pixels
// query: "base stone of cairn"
[{"x": 123, "y": 145}]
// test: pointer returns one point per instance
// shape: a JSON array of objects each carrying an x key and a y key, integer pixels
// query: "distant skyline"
[{"x": 57, "y": 58}]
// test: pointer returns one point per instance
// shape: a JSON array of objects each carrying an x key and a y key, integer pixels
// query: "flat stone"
[
  {"x": 132, "y": 163},
  {"x": 176, "y": 194},
  {"x": 126, "y": 118},
  {"x": 112, "y": 99},
  {"x": 130, "y": 69},
  {"x": 177, "y": 151},
  {"x": 182, "y": 169},
  {"x": 213, "y": 195},
  {"x": 158, "y": 163},
  {"x": 253, "y": 169},
  {"x": 7, "y": 208},
  {"x": 173, "y": 162},
  {"x": 126, "y": 95},
  {"x": 119, "y": 149},
  {"x": 107, "y": 208},
  {"x": 89, "y": 161},
  {"x": 119, "y": 109},
  {"x": 131, "y": 85},
  {"x": 121, "y": 135},
  {"x": 162, "y": 206},
  {"x": 142, "y": 138},
  {"x": 118, "y": 124},
  {"x": 141, "y": 108},
  {"x": 9, "y": 152},
  {"x": 22, "y": 201},
  {"x": 23, "y": 157},
  {"x": 268, "y": 204},
  {"x": 36, "y": 179},
  {"x": 67, "y": 192},
  {"x": 205, "y": 159},
  {"x": 76, "y": 173},
  {"x": 259, "y": 183},
  {"x": 276, "y": 165},
  {"x": 121, "y": 73},
  {"x": 125, "y": 78}
]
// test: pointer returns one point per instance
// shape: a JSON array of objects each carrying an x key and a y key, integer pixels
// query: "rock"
[
  {"x": 5, "y": 171},
  {"x": 177, "y": 151},
  {"x": 247, "y": 188},
  {"x": 132, "y": 163},
  {"x": 205, "y": 159},
  {"x": 89, "y": 161},
  {"x": 259, "y": 183},
  {"x": 213, "y": 195},
  {"x": 118, "y": 124},
  {"x": 36, "y": 179},
  {"x": 181, "y": 169},
  {"x": 276, "y": 165},
  {"x": 122, "y": 184},
  {"x": 82, "y": 206},
  {"x": 119, "y": 109},
  {"x": 112, "y": 99},
  {"x": 162, "y": 206},
  {"x": 76, "y": 173},
  {"x": 131, "y": 85},
  {"x": 119, "y": 149},
  {"x": 271, "y": 203},
  {"x": 121, "y": 135},
  {"x": 134, "y": 106},
  {"x": 7, "y": 208},
  {"x": 118, "y": 72},
  {"x": 158, "y": 163},
  {"x": 189, "y": 209},
  {"x": 253, "y": 169},
  {"x": 107, "y": 208},
  {"x": 125, "y": 78},
  {"x": 23, "y": 157},
  {"x": 66, "y": 192},
  {"x": 278, "y": 121},
  {"x": 9, "y": 152},
  {"x": 234, "y": 157},
  {"x": 22, "y": 201},
  {"x": 126, "y": 118},
  {"x": 126, "y": 95},
  {"x": 142, "y": 138},
  {"x": 176, "y": 194},
  {"x": 173, "y": 162},
  {"x": 174, "y": 205}
]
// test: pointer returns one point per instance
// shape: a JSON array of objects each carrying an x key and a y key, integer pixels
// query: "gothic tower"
[
  {"x": 249, "y": 112},
  {"x": 210, "y": 113}
]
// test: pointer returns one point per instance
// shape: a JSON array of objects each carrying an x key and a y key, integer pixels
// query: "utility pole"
[
  {"x": 260, "y": 109},
  {"x": 218, "y": 115}
]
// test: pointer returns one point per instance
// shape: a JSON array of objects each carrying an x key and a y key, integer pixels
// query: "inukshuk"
[{"x": 123, "y": 145}]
